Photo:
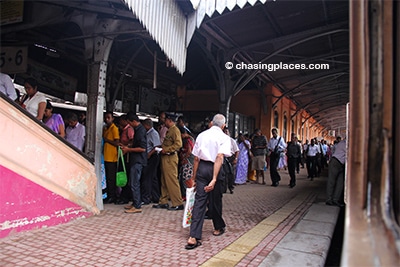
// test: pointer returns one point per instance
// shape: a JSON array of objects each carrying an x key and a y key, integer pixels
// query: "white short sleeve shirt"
[
  {"x": 210, "y": 143},
  {"x": 32, "y": 104}
]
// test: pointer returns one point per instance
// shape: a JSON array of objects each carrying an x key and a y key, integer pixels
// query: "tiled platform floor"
[{"x": 261, "y": 227}]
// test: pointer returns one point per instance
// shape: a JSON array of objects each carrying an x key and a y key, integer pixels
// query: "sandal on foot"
[
  {"x": 219, "y": 232},
  {"x": 192, "y": 246}
]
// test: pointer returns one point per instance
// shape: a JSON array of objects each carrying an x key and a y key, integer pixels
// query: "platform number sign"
[{"x": 13, "y": 59}]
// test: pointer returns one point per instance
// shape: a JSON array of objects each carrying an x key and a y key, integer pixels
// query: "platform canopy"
[
  {"x": 265, "y": 32},
  {"x": 191, "y": 40},
  {"x": 173, "y": 27}
]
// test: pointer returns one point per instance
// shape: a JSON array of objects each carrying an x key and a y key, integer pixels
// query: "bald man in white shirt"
[{"x": 209, "y": 150}]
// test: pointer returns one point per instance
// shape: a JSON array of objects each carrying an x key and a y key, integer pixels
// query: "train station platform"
[{"x": 266, "y": 226}]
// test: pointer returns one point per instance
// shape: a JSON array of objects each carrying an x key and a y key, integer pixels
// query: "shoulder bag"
[
  {"x": 122, "y": 178},
  {"x": 276, "y": 149}
]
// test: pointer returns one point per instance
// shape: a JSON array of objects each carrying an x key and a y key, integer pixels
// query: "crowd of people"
[
  {"x": 164, "y": 160},
  {"x": 34, "y": 102},
  {"x": 257, "y": 154}
]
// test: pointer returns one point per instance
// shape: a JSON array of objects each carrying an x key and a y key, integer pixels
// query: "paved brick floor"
[{"x": 156, "y": 237}]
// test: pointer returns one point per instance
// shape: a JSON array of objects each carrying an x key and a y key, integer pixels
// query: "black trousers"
[
  {"x": 292, "y": 163},
  {"x": 215, "y": 205},
  {"x": 149, "y": 182},
  {"x": 229, "y": 175},
  {"x": 307, "y": 167},
  {"x": 203, "y": 178},
  {"x": 126, "y": 192},
  {"x": 273, "y": 161},
  {"x": 335, "y": 184},
  {"x": 111, "y": 173},
  {"x": 312, "y": 166},
  {"x": 318, "y": 165}
]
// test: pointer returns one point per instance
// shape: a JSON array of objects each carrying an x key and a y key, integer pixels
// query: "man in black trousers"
[
  {"x": 209, "y": 150},
  {"x": 293, "y": 154},
  {"x": 276, "y": 146},
  {"x": 149, "y": 182}
]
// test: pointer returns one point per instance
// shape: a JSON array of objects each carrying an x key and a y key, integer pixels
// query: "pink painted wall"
[
  {"x": 43, "y": 181},
  {"x": 25, "y": 205}
]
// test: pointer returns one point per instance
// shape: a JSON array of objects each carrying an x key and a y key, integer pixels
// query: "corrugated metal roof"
[
  {"x": 209, "y": 7},
  {"x": 166, "y": 23},
  {"x": 171, "y": 29}
]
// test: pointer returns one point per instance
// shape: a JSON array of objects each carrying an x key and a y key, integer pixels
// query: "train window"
[
  {"x": 276, "y": 119},
  {"x": 293, "y": 127},
  {"x": 284, "y": 127}
]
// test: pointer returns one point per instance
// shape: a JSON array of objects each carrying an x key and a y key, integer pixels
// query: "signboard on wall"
[
  {"x": 50, "y": 81},
  {"x": 153, "y": 101},
  {"x": 11, "y": 12},
  {"x": 13, "y": 59}
]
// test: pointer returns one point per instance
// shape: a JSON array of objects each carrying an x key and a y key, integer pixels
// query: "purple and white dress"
[
  {"x": 242, "y": 165},
  {"x": 54, "y": 123}
]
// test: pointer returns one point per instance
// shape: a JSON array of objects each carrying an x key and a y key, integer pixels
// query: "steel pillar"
[{"x": 97, "y": 50}]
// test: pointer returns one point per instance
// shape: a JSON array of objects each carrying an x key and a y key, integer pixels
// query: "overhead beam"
[
  {"x": 287, "y": 46},
  {"x": 306, "y": 83},
  {"x": 312, "y": 92},
  {"x": 229, "y": 46},
  {"x": 287, "y": 39},
  {"x": 325, "y": 120},
  {"x": 122, "y": 76},
  {"x": 315, "y": 74},
  {"x": 225, "y": 42},
  {"x": 220, "y": 38},
  {"x": 330, "y": 120},
  {"x": 329, "y": 58},
  {"x": 316, "y": 100},
  {"x": 92, "y": 7},
  {"x": 321, "y": 110}
]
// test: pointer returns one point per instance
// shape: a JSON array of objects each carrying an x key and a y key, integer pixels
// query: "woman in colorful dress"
[
  {"x": 242, "y": 165},
  {"x": 282, "y": 164},
  {"x": 54, "y": 121},
  {"x": 186, "y": 159}
]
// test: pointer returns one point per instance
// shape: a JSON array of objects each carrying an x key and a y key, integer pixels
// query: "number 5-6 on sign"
[{"x": 13, "y": 59}]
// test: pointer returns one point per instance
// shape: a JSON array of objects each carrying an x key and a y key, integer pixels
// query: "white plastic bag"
[{"x": 187, "y": 215}]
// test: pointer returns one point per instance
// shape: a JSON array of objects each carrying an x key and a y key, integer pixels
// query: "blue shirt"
[
  {"x": 324, "y": 149},
  {"x": 153, "y": 139},
  {"x": 340, "y": 152}
]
